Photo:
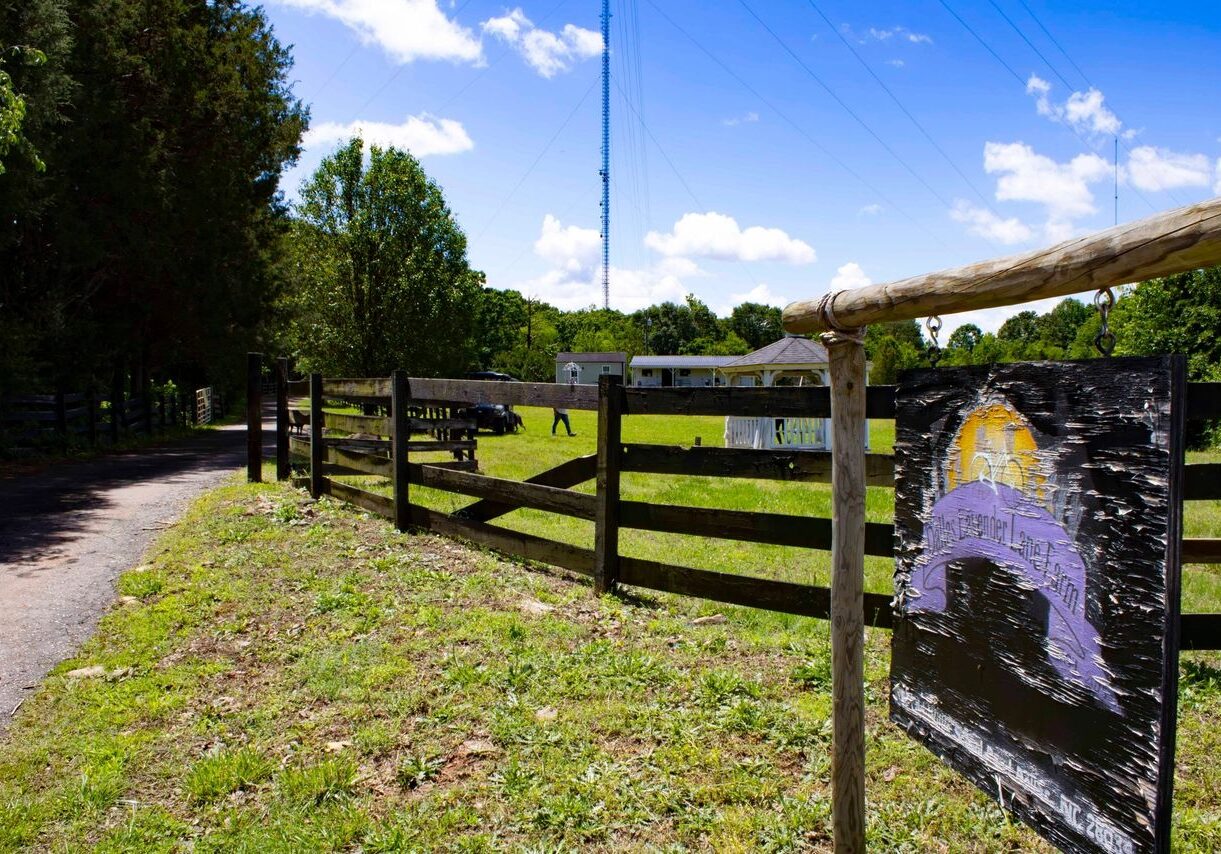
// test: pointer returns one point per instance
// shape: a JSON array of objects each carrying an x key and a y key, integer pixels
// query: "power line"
[
  {"x": 537, "y": 159},
  {"x": 809, "y": 71},
  {"x": 900, "y": 105},
  {"x": 798, "y": 128}
]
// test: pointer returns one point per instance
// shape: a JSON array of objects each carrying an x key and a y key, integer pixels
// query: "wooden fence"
[
  {"x": 86, "y": 417},
  {"x": 389, "y": 456}
]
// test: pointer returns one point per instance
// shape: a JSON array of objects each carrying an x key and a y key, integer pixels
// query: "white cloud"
[
  {"x": 1085, "y": 111},
  {"x": 714, "y": 235},
  {"x": 984, "y": 223},
  {"x": 1062, "y": 188},
  {"x": 572, "y": 248},
  {"x": 747, "y": 118},
  {"x": 760, "y": 293},
  {"x": 406, "y": 30},
  {"x": 900, "y": 33},
  {"x": 546, "y": 52},
  {"x": 870, "y": 210},
  {"x": 1154, "y": 169},
  {"x": 848, "y": 276},
  {"x": 422, "y": 135}
]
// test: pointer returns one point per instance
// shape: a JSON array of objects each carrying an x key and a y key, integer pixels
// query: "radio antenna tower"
[{"x": 605, "y": 173}]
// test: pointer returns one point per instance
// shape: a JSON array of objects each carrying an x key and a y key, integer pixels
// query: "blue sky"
[{"x": 769, "y": 150}]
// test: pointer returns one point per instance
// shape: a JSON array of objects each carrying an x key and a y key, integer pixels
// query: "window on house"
[
  {"x": 684, "y": 372},
  {"x": 606, "y": 369}
]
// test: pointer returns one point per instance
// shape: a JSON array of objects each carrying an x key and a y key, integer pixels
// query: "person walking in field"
[{"x": 561, "y": 415}]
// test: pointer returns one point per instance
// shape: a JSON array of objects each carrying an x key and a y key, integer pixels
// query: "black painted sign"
[{"x": 1037, "y": 518}]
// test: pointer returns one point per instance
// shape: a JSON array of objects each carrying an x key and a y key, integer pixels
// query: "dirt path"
[{"x": 69, "y": 531}]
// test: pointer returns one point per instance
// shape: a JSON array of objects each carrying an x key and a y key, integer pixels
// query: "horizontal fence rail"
[{"x": 371, "y": 454}]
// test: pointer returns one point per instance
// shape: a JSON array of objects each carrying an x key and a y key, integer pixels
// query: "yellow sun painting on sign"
[{"x": 996, "y": 444}]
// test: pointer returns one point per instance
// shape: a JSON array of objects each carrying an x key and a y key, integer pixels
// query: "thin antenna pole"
[
  {"x": 1117, "y": 180},
  {"x": 605, "y": 173}
]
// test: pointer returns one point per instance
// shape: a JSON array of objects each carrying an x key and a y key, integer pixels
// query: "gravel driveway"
[{"x": 68, "y": 532}]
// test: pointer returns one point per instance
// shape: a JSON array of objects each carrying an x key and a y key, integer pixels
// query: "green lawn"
[{"x": 283, "y": 675}]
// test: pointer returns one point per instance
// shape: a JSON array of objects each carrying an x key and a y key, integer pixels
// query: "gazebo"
[{"x": 791, "y": 361}]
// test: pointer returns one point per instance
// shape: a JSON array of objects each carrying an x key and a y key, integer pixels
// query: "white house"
[
  {"x": 587, "y": 367},
  {"x": 678, "y": 370}
]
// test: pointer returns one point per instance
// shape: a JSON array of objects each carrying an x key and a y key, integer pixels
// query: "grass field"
[{"x": 283, "y": 675}]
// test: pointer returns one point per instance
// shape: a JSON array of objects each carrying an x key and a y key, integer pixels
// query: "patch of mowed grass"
[{"x": 299, "y": 676}]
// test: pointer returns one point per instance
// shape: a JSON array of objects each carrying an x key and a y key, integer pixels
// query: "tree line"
[{"x": 145, "y": 234}]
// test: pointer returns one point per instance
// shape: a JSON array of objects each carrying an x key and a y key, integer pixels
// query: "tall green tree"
[
  {"x": 382, "y": 279},
  {"x": 756, "y": 324},
  {"x": 151, "y": 240}
]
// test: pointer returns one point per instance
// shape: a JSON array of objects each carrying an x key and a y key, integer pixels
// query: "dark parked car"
[{"x": 499, "y": 418}]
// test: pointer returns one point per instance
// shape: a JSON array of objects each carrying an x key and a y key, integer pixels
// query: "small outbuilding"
[
  {"x": 681, "y": 371},
  {"x": 585, "y": 368},
  {"x": 791, "y": 361}
]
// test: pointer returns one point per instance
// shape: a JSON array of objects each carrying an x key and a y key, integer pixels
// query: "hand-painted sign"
[{"x": 1036, "y": 578}]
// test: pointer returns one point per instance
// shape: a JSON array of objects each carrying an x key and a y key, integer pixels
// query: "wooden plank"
[
  {"x": 374, "y": 503},
  {"x": 365, "y": 463},
  {"x": 30, "y": 400},
  {"x": 1200, "y": 631},
  {"x": 29, "y": 417},
  {"x": 783, "y": 596},
  {"x": 357, "y": 388},
  {"x": 375, "y": 424},
  {"x": 610, "y": 453},
  {"x": 1201, "y": 550},
  {"x": 299, "y": 447},
  {"x": 776, "y": 529},
  {"x": 1202, "y": 482},
  {"x": 455, "y": 465},
  {"x": 512, "y": 394},
  {"x": 254, "y": 417},
  {"x": 420, "y": 446},
  {"x": 846, "y": 352},
  {"x": 511, "y": 543},
  {"x": 806, "y": 466},
  {"x": 1176, "y": 241},
  {"x": 562, "y": 501},
  {"x": 566, "y": 474},
  {"x": 282, "y": 426},
  {"x": 1203, "y": 401},
  {"x": 317, "y": 445},
  {"x": 400, "y": 393}
]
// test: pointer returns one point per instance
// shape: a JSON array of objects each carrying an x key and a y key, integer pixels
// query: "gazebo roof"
[{"x": 786, "y": 351}]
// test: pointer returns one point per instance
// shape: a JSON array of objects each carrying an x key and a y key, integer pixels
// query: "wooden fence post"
[
  {"x": 61, "y": 415},
  {"x": 282, "y": 467},
  {"x": 606, "y": 514},
  {"x": 846, "y": 352},
  {"x": 317, "y": 450},
  {"x": 117, "y": 417},
  {"x": 254, "y": 417},
  {"x": 400, "y": 395},
  {"x": 91, "y": 413},
  {"x": 146, "y": 391}
]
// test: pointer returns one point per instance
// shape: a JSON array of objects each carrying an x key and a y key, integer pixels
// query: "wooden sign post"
[{"x": 846, "y": 352}]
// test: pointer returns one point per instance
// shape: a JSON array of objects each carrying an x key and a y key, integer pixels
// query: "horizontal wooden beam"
[
  {"x": 1200, "y": 631},
  {"x": 377, "y": 387},
  {"x": 567, "y": 474},
  {"x": 376, "y": 424},
  {"x": 776, "y": 529},
  {"x": 560, "y": 395},
  {"x": 1203, "y": 401},
  {"x": 1202, "y": 481},
  {"x": 809, "y": 466},
  {"x": 1176, "y": 241},
  {"x": 381, "y": 505},
  {"x": 1201, "y": 550},
  {"x": 549, "y": 498},
  {"x": 512, "y": 543},
  {"x": 366, "y": 463},
  {"x": 784, "y": 596}
]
